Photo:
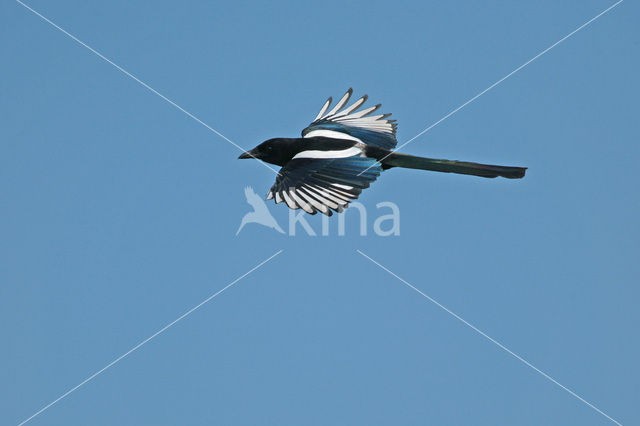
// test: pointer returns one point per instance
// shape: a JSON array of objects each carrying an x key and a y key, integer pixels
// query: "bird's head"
[{"x": 275, "y": 151}]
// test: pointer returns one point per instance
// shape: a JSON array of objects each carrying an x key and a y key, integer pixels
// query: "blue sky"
[{"x": 119, "y": 214}]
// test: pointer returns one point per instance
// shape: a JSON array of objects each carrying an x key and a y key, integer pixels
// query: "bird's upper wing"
[
  {"x": 349, "y": 123},
  {"x": 323, "y": 184}
]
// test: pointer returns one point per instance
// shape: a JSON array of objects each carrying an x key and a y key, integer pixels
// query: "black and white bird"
[{"x": 341, "y": 152}]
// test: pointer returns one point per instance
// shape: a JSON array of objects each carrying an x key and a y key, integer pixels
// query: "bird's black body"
[
  {"x": 280, "y": 151},
  {"x": 341, "y": 153}
]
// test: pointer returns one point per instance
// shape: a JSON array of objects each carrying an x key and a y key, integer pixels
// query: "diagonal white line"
[
  {"x": 136, "y": 347},
  {"x": 501, "y": 80},
  {"x": 492, "y": 340},
  {"x": 511, "y": 73},
  {"x": 142, "y": 83}
]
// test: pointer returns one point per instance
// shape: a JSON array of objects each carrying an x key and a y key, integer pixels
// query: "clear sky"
[{"x": 119, "y": 213}]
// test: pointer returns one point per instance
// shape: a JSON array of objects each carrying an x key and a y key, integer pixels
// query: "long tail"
[{"x": 396, "y": 159}]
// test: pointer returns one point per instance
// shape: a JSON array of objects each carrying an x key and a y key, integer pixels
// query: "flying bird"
[
  {"x": 260, "y": 213},
  {"x": 341, "y": 152}
]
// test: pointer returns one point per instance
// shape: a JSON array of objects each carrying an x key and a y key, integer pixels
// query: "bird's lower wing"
[{"x": 323, "y": 185}]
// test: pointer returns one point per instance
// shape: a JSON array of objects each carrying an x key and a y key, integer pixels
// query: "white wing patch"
[
  {"x": 339, "y": 117},
  {"x": 324, "y": 109},
  {"x": 331, "y": 134},
  {"x": 311, "y": 198},
  {"x": 344, "y": 153},
  {"x": 323, "y": 185}
]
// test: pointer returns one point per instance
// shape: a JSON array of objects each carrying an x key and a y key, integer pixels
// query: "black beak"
[{"x": 246, "y": 155}]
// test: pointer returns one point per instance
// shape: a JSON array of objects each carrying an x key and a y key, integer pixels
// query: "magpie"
[{"x": 341, "y": 152}]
